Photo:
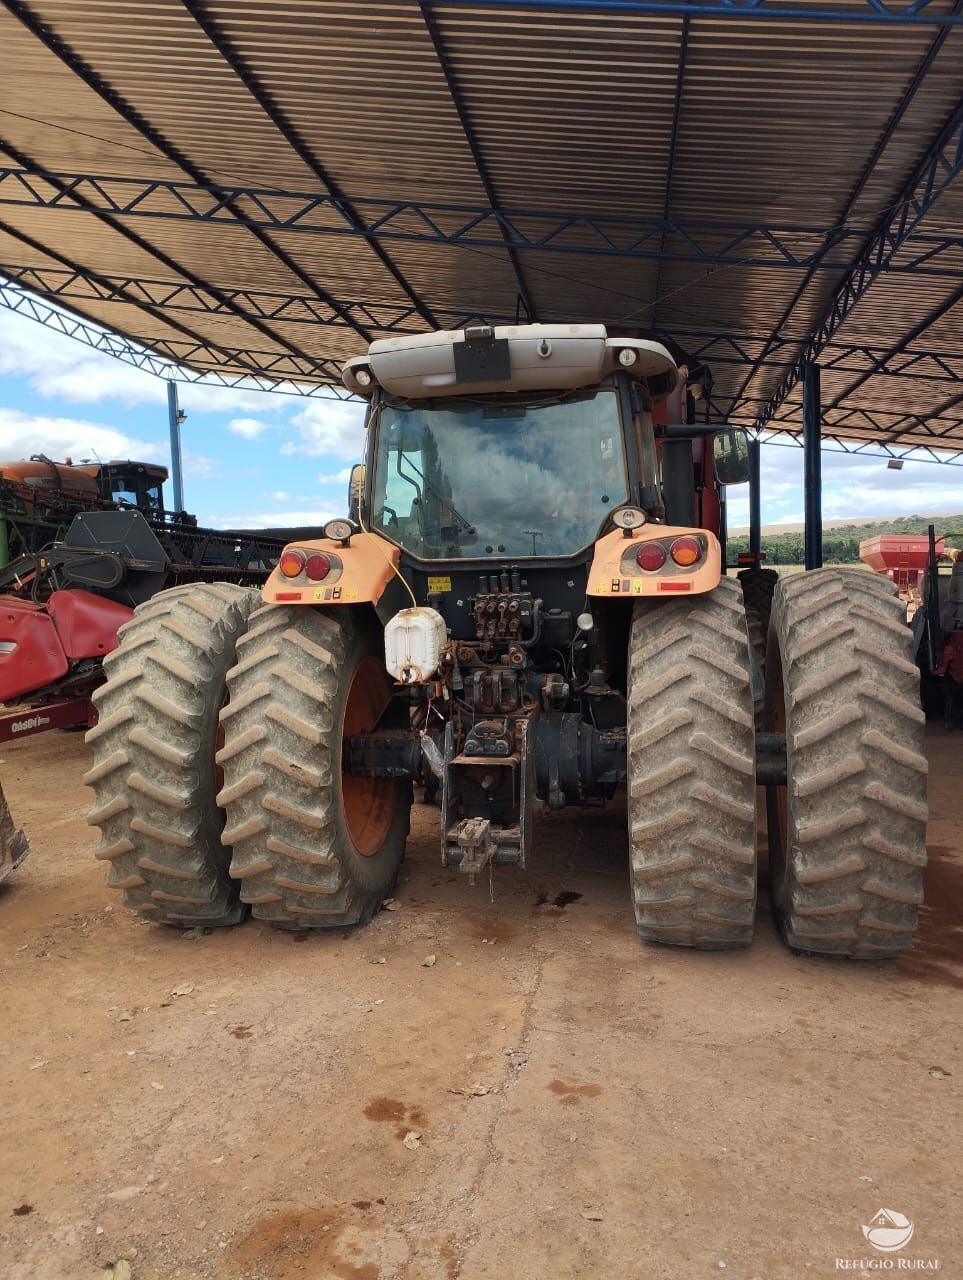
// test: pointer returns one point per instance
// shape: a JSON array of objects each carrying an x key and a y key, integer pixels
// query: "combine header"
[
  {"x": 528, "y": 607},
  {"x": 61, "y": 606},
  {"x": 60, "y": 610}
]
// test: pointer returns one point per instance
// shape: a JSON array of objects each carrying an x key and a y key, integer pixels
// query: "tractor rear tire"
[
  {"x": 313, "y": 848},
  {"x": 154, "y": 776},
  {"x": 692, "y": 771},
  {"x": 847, "y": 834}
]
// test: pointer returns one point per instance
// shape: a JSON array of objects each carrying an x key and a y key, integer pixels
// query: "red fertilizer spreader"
[{"x": 901, "y": 556}]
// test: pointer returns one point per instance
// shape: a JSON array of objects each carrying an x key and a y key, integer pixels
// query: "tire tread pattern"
[
  {"x": 857, "y": 768},
  {"x": 692, "y": 818},
  {"x": 153, "y": 774},
  {"x": 280, "y": 755}
]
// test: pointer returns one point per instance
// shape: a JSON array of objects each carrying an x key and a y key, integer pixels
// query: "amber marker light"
[
  {"x": 291, "y": 563},
  {"x": 686, "y": 551}
]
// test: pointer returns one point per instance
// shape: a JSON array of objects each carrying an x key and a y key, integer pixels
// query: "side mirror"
[
  {"x": 355, "y": 490},
  {"x": 730, "y": 455}
]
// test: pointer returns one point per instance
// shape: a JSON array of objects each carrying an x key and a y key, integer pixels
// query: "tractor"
[{"x": 526, "y": 608}]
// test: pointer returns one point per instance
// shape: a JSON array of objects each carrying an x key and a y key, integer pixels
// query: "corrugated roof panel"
[
  {"x": 719, "y": 120},
  {"x": 572, "y": 111},
  {"x": 364, "y": 89}
]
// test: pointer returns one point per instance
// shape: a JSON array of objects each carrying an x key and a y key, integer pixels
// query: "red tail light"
[
  {"x": 650, "y": 556},
  {"x": 317, "y": 567},
  {"x": 291, "y": 563},
  {"x": 686, "y": 551}
]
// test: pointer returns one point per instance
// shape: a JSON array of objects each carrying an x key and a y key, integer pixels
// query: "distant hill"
[
  {"x": 939, "y": 518},
  {"x": 783, "y": 544}
]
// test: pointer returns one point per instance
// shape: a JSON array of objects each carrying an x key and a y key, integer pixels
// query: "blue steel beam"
[
  {"x": 96, "y": 285},
  {"x": 159, "y": 255},
  {"x": 870, "y": 449},
  {"x": 853, "y": 419},
  {"x": 936, "y": 415},
  {"x": 934, "y": 175},
  {"x": 746, "y": 349},
  {"x": 788, "y": 247},
  {"x": 897, "y": 348},
  {"x": 676, "y": 116},
  {"x": 168, "y": 295},
  {"x": 673, "y": 145},
  {"x": 129, "y": 352},
  {"x": 273, "y": 377},
  {"x": 165, "y": 297},
  {"x": 812, "y": 469},
  {"x": 858, "y": 438},
  {"x": 882, "y": 12},
  {"x": 197, "y": 353}
]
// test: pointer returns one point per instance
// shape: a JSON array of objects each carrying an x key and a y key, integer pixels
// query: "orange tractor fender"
[
  {"x": 615, "y": 571},
  {"x": 356, "y": 574}
]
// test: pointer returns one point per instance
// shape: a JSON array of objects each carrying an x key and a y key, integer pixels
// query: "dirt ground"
[{"x": 584, "y": 1105}]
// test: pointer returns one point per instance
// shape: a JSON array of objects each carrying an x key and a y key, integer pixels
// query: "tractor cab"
[
  {"x": 521, "y": 442},
  {"x": 515, "y": 452},
  {"x": 131, "y": 484}
]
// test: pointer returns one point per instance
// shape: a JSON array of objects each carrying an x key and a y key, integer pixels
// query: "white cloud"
[
  {"x": 328, "y": 427},
  {"x": 199, "y": 467},
  {"x": 249, "y": 428},
  {"x": 854, "y": 487},
  {"x": 23, "y": 434},
  {"x": 56, "y": 365},
  {"x": 340, "y": 477},
  {"x": 60, "y": 366},
  {"x": 312, "y": 517}
]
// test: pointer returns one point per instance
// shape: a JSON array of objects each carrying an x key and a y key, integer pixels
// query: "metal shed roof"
[{"x": 260, "y": 187}]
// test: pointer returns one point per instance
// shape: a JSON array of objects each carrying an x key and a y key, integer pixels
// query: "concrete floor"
[{"x": 585, "y": 1106}]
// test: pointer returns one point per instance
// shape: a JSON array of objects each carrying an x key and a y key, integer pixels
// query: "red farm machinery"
[{"x": 64, "y": 600}]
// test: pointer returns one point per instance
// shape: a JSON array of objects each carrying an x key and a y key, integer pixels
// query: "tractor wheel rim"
[{"x": 368, "y": 804}]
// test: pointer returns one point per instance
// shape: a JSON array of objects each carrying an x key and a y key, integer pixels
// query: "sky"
[{"x": 255, "y": 459}]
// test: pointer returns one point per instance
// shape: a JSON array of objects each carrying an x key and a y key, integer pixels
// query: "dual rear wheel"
[
  {"x": 217, "y": 764},
  {"x": 219, "y": 787},
  {"x": 846, "y": 833}
]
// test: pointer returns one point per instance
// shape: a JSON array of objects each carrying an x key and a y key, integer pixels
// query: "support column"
[
  {"x": 812, "y": 464},
  {"x": 174, "y": 421},
  {"x": 723, "y": 529},
  {"x": 755, "y": 501}
]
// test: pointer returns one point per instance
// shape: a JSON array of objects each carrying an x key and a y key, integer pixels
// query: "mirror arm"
[{"x": 690, "y": 430}]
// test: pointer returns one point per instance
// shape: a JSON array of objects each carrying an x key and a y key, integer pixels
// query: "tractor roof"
[{"x": 486, "y": 359}]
